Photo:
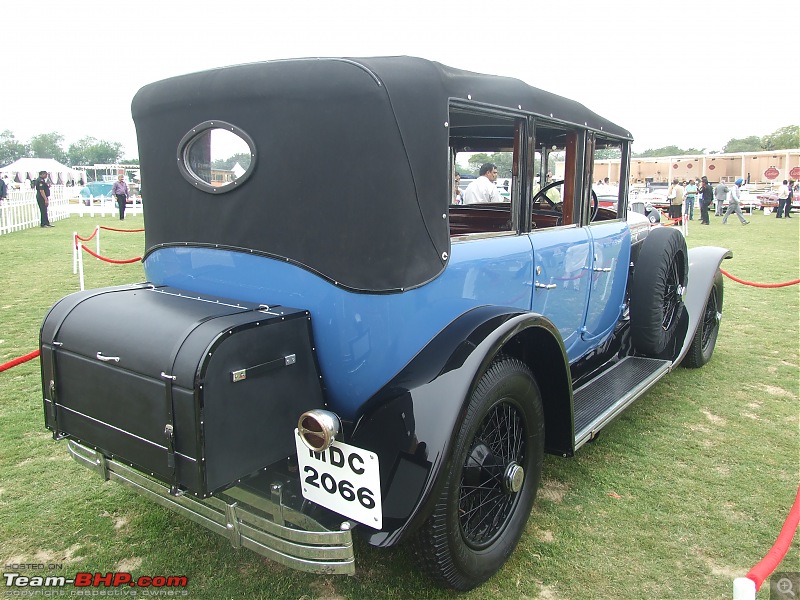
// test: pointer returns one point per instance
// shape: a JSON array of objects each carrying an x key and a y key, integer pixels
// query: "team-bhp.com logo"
[{"x": 96, "y": 580}]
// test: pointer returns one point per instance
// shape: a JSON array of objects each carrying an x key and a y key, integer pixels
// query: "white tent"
[
  {"x": 238, "y": 170},
  {"x": 29, "y": 168}
]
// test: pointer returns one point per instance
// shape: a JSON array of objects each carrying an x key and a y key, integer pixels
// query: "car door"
[
  {"x": 609, "y": 258},
  {"x": 562, "y": 260}
]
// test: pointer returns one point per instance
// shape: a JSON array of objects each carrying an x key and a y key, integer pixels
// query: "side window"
[
  {"x": 555, "y": 198},
  {"x": 485, "y": 167},
  {"x": 607, "y": 177}
]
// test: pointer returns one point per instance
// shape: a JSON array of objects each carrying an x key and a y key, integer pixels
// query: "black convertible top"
[{"x": 351, "y": 171}]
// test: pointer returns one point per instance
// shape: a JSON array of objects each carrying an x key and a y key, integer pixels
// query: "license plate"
[{"x": 344, "y": 479}]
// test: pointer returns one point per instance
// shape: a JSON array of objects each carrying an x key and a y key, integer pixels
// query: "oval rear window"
[{"x": 216, "y": 156}]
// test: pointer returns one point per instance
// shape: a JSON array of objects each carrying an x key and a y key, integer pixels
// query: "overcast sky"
[{"x": 692, "y": 74}]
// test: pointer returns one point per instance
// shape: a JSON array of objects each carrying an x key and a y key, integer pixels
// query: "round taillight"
[{"x": 318, "y": 428}]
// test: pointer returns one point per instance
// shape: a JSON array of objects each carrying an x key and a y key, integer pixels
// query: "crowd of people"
[{"x": 683, "y": 194}]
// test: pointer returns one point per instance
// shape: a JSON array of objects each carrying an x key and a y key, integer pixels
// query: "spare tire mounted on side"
[{"x": 659, "y": 278}]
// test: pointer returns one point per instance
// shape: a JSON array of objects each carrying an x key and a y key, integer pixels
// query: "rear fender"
[
  {"x": 412, "y": 421},
  {"x": 703, "y": 264}
]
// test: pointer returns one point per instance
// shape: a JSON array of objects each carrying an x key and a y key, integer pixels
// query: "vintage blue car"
[
  {"x": 97, "y": 191},
  {"x": 326, "y": 345}
]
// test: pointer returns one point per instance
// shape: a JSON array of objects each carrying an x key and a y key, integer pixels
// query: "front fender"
[
  {"x": 703, "y": 264},
  {"x": 410, "y": 423}
]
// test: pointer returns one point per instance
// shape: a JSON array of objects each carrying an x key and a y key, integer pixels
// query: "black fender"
[
  {"x": 703, "y": 264},
  {"x": 411, "y": 422}
]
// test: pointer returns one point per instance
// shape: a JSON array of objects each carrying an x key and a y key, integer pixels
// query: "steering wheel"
[{"x": 543, "y": 193}]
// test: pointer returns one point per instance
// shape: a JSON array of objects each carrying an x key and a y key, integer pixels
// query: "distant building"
[
  {"x": 221, "y": 177},
  {"x": 765, "y": 167}
]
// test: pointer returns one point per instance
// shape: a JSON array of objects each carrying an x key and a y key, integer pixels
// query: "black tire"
[
  {"x": 660, "y": 274},
  {"x": 705, "y": 338},
  {"x": 482, "y": 511}
]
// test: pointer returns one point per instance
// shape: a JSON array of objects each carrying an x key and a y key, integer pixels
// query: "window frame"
[{"x": 192, "y": 135}]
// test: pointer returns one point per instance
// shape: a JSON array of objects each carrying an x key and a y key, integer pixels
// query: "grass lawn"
[{"x": 684, "y": 492}]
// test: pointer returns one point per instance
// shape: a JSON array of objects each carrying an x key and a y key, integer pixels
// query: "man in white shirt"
[
  {"x": 733, "y": 203},
  {"x": 483, "y": 189}
]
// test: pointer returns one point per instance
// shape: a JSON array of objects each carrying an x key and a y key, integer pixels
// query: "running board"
[{"x": 604, "y": 398}]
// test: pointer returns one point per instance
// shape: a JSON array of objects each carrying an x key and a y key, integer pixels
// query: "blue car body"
[{"x": 97, "y": 189}]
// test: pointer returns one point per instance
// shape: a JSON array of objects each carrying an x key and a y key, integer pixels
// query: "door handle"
[
  {"x": 107, "y": 358},
  {"x": 545, "y": 286}
]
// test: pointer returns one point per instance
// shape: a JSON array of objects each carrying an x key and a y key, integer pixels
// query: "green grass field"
[{"x": 683, "y": 493}]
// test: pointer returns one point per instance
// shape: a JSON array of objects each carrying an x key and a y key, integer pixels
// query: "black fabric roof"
[{"x": 351, "y": 166}]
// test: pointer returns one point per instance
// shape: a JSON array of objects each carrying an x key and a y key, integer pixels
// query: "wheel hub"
[
  {"x": 513, "y": 478},
  {"x": 483, "y": 466}
]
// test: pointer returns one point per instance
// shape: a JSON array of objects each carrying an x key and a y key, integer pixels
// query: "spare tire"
[{"x": 656, "y": 296}]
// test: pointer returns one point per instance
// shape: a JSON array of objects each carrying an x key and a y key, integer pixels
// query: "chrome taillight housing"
[{"x": 318, "y": 428}]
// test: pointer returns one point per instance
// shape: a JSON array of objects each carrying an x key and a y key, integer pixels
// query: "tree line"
[
  {"x": 90, "y": 151},
  {"x": 783, "y": 138},
  {"x": 86, "y": 151}
]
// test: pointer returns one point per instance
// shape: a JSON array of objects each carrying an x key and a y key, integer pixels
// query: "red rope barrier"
[
  {"x": 88, "y": 239},
  {"x": 124, "y": 230},
  {"x": 111, "y": 260},
  {"x": 20, "y": 360},
  {"x": 674, "y": 221},
  {"x": 759, "y": 285},
  {"x": 775, "y": 555}
]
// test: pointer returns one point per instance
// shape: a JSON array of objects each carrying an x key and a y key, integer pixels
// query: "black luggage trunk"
[{"x": 199, "y": 392}]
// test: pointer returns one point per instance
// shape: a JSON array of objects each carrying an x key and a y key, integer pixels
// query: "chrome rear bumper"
[{"x": 247, "y": 515}]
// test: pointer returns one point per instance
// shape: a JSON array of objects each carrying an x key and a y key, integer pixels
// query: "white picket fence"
[{"x": 21, "y": 211}]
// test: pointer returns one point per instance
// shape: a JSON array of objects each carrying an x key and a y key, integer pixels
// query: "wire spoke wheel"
[
  {"x": 705, "y": 338},
  {"x": 486, "y": 502},
  {"x": 672, "y": 296},
  {"x": 490, "y": 481},
  {"x": 710, "y": 318}
]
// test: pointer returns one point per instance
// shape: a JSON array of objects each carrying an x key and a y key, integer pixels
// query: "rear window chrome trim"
[{"x": 196, "y": 131}]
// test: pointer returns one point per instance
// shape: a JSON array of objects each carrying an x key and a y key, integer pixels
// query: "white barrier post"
[
  {"x": 80, "y": 266},
  {"x": 74, "y": 252},
  {"x": 684, "y": 220},
  {"x": 744, "y": 589},
  {"x": 97, "y": 232}
]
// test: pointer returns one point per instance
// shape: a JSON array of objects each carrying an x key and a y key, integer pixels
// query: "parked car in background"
[
  {"x": 96, "y": 191},
  {"x": 768, "y": 200},
  {"x": 656, "y": 197}
]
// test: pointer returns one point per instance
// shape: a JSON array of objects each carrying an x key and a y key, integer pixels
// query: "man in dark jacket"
[
  {"x": 706, "y": 198},
  {"x": 43, "y": 197}
]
